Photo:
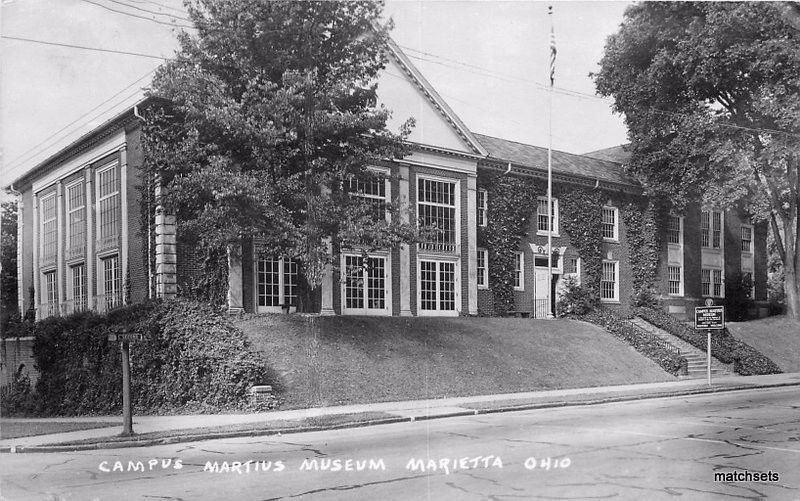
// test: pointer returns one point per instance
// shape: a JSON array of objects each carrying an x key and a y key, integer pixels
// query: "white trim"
[
  {"x": 556, "y": 218},
  {"x": 387, "y": 285},
  {"x": 680, "y": 281},
  {"x": 107, "y": 147},
  {"x": 615, "y": 299},
  {"x": 615, "y": 238},
  {"x": 485, "y": 275},
  {"x": 456, "y": 203},
  {"x": 281, "y": 287},
  {"x": 482, "y": 221},
  {"x": 521, "y": 286}
]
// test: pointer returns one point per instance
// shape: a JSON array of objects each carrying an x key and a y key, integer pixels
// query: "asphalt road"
[{"x": 651, "y": 449}]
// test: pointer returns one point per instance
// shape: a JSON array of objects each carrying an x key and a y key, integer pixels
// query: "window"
[
  {"x": 49, "y": 227},
  {"x": 519, "y": 271},
  {"x": 276, "y": 283},
  {"x": 747, "y": 279},
  {"x": 610, "y": 226},
  {"x": 437, "y": 286},
  {"x": 483, "y": 269},
  {"x": 674, "y": 234},
  {"x": 112, "y": 282},
  {"x": 76, "y": 215},
  {"x": 79, "y": 294},
  {"x": 675, "y": 282},
  {"x": 374, "y": 192},
  {"x": 609, "y": 284},
  {"x": 108, "y": 201},
  {"x": 747, "y": 238},
  {"x": 483, "y": 207},
  {"x": 436, "y": 207},
  {"x": 711, "y": 228},
  {"x": 572, "y": 267},
  {"x": 541, "y": 215},
  {"x": 711, "y": 282},
  {"x": 365, "y": 283},
  {"x": 50, "y": 298}
]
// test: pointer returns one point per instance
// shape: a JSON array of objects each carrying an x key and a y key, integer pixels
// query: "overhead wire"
[
  {"x": 84, "y": 47},
  {"x": 150, "y": 19}
]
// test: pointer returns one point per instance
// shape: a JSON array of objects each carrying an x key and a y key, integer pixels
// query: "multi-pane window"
[
  {"x": 571, "y": 266},
  {"x": 483, "y": 268},
  {"x": 747, "y": 238},
  {"x": 437, "y": 285},
  {"x": 609, "y": 281},
  {"x": 436, "y": 207},
  {"x": 711, "y": 229},
  {"x": 112, "y": 281},
  {"x": 108, "y": 202},
  {"x": 675, "y": 281},
  {"x": 483, "y": 207},
  {"x": 711, "y": 282},
  {"x": 541, "y": 215},
  {"x": 674, "y": 229},
  {"x": 610, "y": 228},
  {"x": 51, "y": 291},
  {"x": 519, "y": 271},
  {"x": 276, "y": 282},
  {"x": 373, "y": 191},
  {"x": 49, "y": 227},
  {"x": 76, "y": 215},
  {"x": 365, "y": 283},
  {"x": 79, "y": 294}
]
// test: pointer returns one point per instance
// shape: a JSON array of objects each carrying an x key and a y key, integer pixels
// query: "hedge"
[
  {"x": 746, "y": 360},
  {"x": 668, "y": 360},
  {"x": 191, "y": 359}
]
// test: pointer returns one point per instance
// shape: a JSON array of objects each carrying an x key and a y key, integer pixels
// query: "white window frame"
[
  {"x": 484, "y": 272},
  {"x": 99, "y": 200},
  {"x": 457, "y": 200},
  {"x": 438, "y": 312},
  {"x": 615, "y": 299},
  {"x": 615, "y": 211},
  {"x": 680, "y": 280},
  {"x": 43, "y": 222},
  {"x": 483, "y": 207},
  {"x": 387, "y": 284},
  {"x": 711, "y": 230},
  {"x": 556, "y": 221},
  {"x": 577, "y": 274},
  {"x": 519, "y": 273},
  {"x": 69, "y": 211},
  {"x": 386, "y": 172},
  {"x": 712, "y": 272},
  {"x": 281, "y": 287},
  {"x": 49, "y": 297},
  {"x": 71, "y": 286},
  {"x": 101, "y": 280},
  {"x": 749, "y": 227},
  {"x": 680, "y": 231}
]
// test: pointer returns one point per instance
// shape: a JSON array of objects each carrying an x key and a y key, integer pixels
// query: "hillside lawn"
[
  {"x": 776, "y": 337},
  {"x": 346, "y": 360}
]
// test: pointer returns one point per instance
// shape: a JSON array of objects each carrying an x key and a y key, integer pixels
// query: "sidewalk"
[{"x": 169, "y": 429}]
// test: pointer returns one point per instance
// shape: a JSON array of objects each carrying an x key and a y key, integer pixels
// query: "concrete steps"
[{"x": 696, "y": 358}]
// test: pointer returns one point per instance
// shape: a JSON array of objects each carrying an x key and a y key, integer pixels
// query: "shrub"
[
  {"x": 746, "y": 360},
  {"x": 191, "y": 359},
  {"x": 738, "y": 289},
  {"x": 576, "y": 300},
  {"x": 644, "y": 344},
  {"x": 17, "y": 398}
]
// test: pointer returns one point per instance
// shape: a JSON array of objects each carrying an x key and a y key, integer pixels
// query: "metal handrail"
[{"x": 653, "y": 338}]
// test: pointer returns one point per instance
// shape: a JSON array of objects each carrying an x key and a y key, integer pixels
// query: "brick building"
[{"x": 83, "y": 243}]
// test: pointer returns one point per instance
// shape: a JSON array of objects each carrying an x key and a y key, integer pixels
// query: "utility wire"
[
  {"x": 39, "y": 146},
  {"x": 84, "y": 47},
  {"x": 142, "y": 9},
  {"x": 152, "y": 20},
  {"x": 159, "y": 4}
]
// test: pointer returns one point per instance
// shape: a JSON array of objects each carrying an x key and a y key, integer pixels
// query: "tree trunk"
[
  {"x": 791, "y": 287},
  {"x": 309, "y": 299}
]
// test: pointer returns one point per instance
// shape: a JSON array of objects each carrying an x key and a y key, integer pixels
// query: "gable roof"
[
  {"x": 618, "y": 154},
  {"x": 535, "y": 158},
  {"x": 435, "y": 99}
]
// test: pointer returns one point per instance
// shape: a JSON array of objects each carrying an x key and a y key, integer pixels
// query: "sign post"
[
  {"x": 710, "y": 318},
  {"x": 125, "y": 339}
]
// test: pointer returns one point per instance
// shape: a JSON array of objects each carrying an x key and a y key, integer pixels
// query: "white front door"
[
  {"x": 438, "y": 288},
  {"x": 540, "y": 307},
  {"x": 276, "y": 285}
]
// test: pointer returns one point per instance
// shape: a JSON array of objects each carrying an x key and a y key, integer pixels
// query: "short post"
[
  {"x": 708, "y": 357},
  {"x": 127, "y": 419}
]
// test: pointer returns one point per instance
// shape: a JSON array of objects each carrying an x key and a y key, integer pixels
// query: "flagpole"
[{"x": 550, "y": 170}]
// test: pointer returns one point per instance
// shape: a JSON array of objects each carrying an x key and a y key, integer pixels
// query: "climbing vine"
[
  {"x": 581, "y": 219},
  {"x": 512, "y": 203},
  {"x": 642, "y": 230}
]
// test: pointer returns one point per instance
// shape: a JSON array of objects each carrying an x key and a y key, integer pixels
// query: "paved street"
[{"x": 649, "y": 449}]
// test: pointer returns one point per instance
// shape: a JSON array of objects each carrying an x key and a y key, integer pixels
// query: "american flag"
[{"x": 553, "y": 50}]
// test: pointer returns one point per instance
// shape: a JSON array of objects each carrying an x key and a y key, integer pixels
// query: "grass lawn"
[
  {"x": 344, "y": 360},
  {"x": 776, "y": 337},
  {"x": 15, "y": 428}
]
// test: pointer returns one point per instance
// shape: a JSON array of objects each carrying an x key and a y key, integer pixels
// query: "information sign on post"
[
  {"x": 709, "y": 318},
  {"x": 125, "y": 338}
]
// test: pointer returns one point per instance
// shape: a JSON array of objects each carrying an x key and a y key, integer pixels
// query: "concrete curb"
[{"x": 374, "y": 422}]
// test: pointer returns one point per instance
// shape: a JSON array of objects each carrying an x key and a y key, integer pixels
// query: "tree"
[
  {"x": 8, "y": 264},
  {"x": 263, "y": 120},
  {"x": 711, "y": 97}
]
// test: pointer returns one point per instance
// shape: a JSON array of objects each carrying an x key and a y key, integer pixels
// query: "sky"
[{"x": 487, "y": 59}]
